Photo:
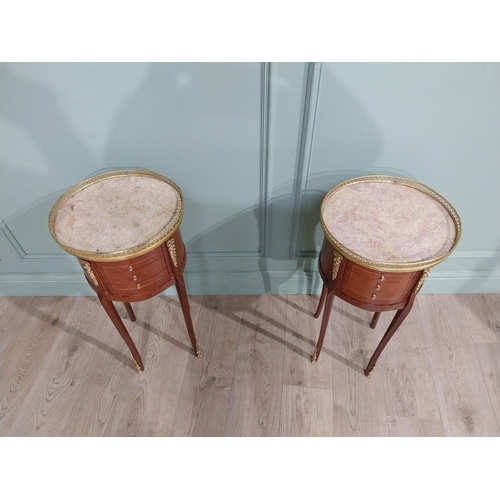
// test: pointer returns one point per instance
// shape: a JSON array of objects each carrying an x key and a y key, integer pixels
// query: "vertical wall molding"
[
  {"x": 265, "y": 174},
  {"x": 265, "y": 169},
  {"x": 265, "y": 118},
  {"x": 311, "y": 95}
]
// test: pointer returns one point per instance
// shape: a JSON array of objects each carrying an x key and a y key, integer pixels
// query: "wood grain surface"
[{"x": 64, "y": 370}]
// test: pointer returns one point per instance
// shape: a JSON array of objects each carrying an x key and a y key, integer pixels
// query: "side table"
[
  {"x": 123, "y": 226},
  {"x": 382, "y": 237}
]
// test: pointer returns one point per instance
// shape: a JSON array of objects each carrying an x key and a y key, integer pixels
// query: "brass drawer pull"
[
  {"x": 382, "y": 278},
  {"x": 138, "y": 286},
  {"x": 134, "y": 277},
  {"x": 374, "y": 296},
  {"x": 130, "y": 268}
]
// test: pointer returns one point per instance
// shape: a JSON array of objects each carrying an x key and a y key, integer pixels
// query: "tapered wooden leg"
[
  {"x": 181, "y": 291},
  {"x": 130, "y": 311},
  {"x": 324, "y": 323},
  {"x": 395, "y": 324},
  {"x": 110, "y": 309},
  {"x": 375, "y": 318},
  {"x": 321, "y": 301}
]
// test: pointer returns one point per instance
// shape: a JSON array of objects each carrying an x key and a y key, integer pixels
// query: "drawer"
[
  {"x": 142, "y": 286},
  {"x": 375, "y": 287},
  {"x": 134, "y": 270}
]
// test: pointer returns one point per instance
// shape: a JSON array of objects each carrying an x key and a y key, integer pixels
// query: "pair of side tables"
[{"x": 382, "y": 237}]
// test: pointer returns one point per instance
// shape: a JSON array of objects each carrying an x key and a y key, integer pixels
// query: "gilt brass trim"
[
  {"x": 337, "y": 259},
  {"x": 389, "y": 266},
  {"x": 172, "y": 251},
  {"x": 314, "y": 357},
  {"x": 89, "y": 272},
  {"x": 128, "y": 253},
  {"x": 421, "y": 280}
]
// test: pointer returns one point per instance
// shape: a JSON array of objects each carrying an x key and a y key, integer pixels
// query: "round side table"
[
  {"x": 123, "y": 226},
  {"x": 382, "y": 237}
]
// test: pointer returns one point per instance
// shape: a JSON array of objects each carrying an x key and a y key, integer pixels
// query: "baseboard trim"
[{"x": 249, "y": 283}]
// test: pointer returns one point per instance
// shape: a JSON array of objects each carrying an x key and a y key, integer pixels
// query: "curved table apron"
[
  {"x": 123, "y": 226},
  {"x": 382, "y": 237}
]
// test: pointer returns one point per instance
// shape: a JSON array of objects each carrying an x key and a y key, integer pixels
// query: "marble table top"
[
  {"x": 117, "y": 213},
  {"x": 385, "y": 220}
]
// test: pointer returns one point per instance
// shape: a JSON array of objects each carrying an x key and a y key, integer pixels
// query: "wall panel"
[{"x": 254, "y": 147}]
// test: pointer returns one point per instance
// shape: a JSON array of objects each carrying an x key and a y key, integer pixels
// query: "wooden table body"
[
  {"x": 368, "y": 289},
  {"x": 140, "y": 278}
]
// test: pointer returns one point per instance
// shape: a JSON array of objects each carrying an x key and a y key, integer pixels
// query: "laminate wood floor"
[{"x": 65, "y": 371}]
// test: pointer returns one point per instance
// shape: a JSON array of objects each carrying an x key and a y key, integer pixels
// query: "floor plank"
[
  {"x": 306, "y": 412},
  {"x": 414, "y": 427},
  {"x": 482, "y": 312},
  {"x": 86, "y": 345},
  {"x": 255, "y": 404},
  {"x": 206, "y": 389},
  {"x": 408, "y": 381},
  {"x": 168, "y": 353},
  {"x": 463, "y": 398},
  {"x": 359, "y": 402},
  {"x": 302, "y": 332},
  {"x": 489, "y": 360},
  {"x": 65, "y": 370},
  {"x": 26, "y": 359}
]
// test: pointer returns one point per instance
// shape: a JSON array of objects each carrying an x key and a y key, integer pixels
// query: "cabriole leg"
[
  {"x": 375, "y": 318},
  {"x": 324, "y": 323},
  {"x": 395, "y": 324},
  {"x": 181, "y": 291},
  {"x": 110, "y": 309},
  {"x": 321, "y": 301},
  {"x": 130, "y": 311}
]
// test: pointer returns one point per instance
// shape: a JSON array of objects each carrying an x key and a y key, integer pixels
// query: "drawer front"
[
  {"x": 375, "y": 287},
  {"x": 137, "y": 276},
  {"x": 134, "y": 270},
  {"x": 141, "y": 287}
]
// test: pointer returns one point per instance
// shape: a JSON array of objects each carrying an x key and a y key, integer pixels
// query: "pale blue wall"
[{"x": 254, "y": 148}]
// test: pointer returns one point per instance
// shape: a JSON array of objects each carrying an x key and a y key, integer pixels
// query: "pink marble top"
[
  {"x": 117, "y": 213},
  {"x": 388, "y": 222}
]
